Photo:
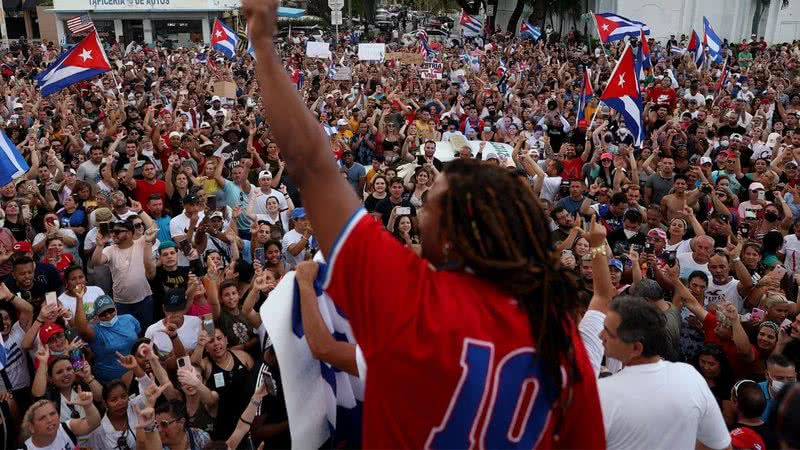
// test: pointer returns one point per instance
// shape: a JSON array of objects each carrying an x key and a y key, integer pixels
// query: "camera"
[{"x": 706, "y": 189}]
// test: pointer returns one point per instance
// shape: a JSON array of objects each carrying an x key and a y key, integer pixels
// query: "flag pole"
[
  {"x": 721, "y": 76},
  {"x": 599, "y": 38},
  {"x": 597, "y": 110}
]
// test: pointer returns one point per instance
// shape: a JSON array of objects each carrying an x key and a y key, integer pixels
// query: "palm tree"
[{"x": 761, "y": 7}]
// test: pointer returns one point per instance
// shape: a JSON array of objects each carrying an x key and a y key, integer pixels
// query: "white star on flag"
[
  {"x": 219, "y": 33},
  {"x": 605, "y": 27},
  {"x": 86, "y": 54},
  {"x": 621, "y": 80}
]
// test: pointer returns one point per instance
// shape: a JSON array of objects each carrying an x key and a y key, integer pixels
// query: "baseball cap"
[
  {"x": 615, "y": 263},
  {"x": 342, "y": 122},
  {"x": 176, "y": 134},
  {"x": 606, "y": 156},
  {"x": 265, "y": 174},
  {"x": 583, "y": 123},
  {"x": 175, "y": 300},
  {"x": 705, "y": 160},
  {"x": 492, "y": 155},
  {"x": 17, "y": 106},
  {"x": 727, "y": 154},
  {"x": 205, "y": 125},
  {"x": 215, "y": 214},
  {"x": 166, "y": 245},
  {"x": 790, "y": 163},
  {"x": 48, "y": 330},
  {"x": 191, "y": 199},
  {"x": 103, "y": 304},
  {"x": 746, "y": 438},
  {"x": 772, "y": 139},
  {"x": 756, "y": 186},
  {"x": 215, "y": 98},
  {"x": 22, "y": 247},
  {"x": 103, "y": 215},
  {"x": 659, "y": 233},
  {"x": 298, "y": 213},
  {"x": 736, "y": 137}
]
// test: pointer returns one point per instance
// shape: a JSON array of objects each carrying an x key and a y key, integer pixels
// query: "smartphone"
[
  {"x": 185, "y": 247},
  {"x": 144, "y": 383},
  {"x": 757, "y": 315},
  {"x": 649, "y": 248},
  {"x": 26, "y": 212},
  {"x": 211, "y": 202},
  {"x": 403, "y": 210},
  {"x": 567, "y": 253},
  {"x": 671, "y": 259},
  {"x": 208, "y": 324},
  {"x": 50, "y": 298},
  {"x": 258, "y": 255},
  {"x": 76, "y": 359},
  {"x": 184, "y": 361},
  {"x": 104, "y": 229},
  {"x": 70, "y": 334},
  {"x": 265, "y": 377},
  {"x": 744, "y": 229},
  {"x": 762, "y": 195}
]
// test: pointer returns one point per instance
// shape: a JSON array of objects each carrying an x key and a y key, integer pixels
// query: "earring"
[{"x": 446, "y": 249}]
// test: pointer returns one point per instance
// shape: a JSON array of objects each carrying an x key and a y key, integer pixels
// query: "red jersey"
[
  {"x": 144, "y": 190},
  {"x": 450, "y": 357},
  {"x": 661, "y": 96}
]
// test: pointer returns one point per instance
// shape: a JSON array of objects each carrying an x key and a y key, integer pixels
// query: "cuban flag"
[
  {"x": 696, "y": 49},
  {"x": 12, "y": 166},
  {"x": 712, "y": 41},
  {"x": 224, "y": 39},
  {"x": 337, "y": 396},
  {"x": 424, "y": 46},
  {"x": 723, "y": 79},
  {"x": 472, "y": 61},
  {"x": 530, "y": 31},
  {"x": 471, "y": 25},
  {"x": 586, "y": 94},
  {"x": 623, "y": 95},
  {"x": 642, "y": 56},
  {"x": 84, "y": 61},
  {"x": 612, "y": 27},
  {"x": 250, "y": 50}
]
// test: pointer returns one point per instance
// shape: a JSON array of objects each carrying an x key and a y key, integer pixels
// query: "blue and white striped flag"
[
  {"x": 321, "y": 401},
  {"x": 12, "y": 164}
]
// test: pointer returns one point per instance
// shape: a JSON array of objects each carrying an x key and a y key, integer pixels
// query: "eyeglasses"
[
  {"x": 118, "y": 231},
  {"x": 165, "y": 423}
]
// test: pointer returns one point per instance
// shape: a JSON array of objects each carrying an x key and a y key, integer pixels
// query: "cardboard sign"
[
  {"x": 225, "y": 89},
  {"x": 405, "y": 58},
  {"x": 318, "y": 50},
  {"x": 431, "y": 71},
  {"x": 343, "y": 73},
  {"x": 371, "y": 52}
]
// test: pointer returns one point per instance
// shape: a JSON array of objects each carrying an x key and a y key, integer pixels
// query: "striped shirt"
[{"x": 15, "y": 375}]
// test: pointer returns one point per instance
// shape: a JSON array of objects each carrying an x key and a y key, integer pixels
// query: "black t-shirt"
[
  {"x": 386, "y": 205},
  {"x": 45, "y": 279},
  {"x": 170, "y": 279}
]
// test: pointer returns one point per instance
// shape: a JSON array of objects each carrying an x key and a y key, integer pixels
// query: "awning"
[{"x": 288, "y": 12}]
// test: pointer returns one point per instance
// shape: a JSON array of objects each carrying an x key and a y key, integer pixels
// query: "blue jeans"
[{"x": 142, "y": 311}]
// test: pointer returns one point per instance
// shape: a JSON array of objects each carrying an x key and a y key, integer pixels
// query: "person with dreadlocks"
[{"x": 454, "y": 353}]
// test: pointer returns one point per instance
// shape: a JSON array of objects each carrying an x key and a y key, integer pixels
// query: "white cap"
[
  {"x": 342, "y": 122},
  {"x": 17, "y": 105},
  {"x": 772, "y": 139},
  {"x": 265, "y": 174},
  {"x": 175, "y": 134},
  {"x": 205, "y": 125},
  {"x": 706, "y": 160},
  {"x": 756, "y": 186},
  {"x": 215, "y": 98}
]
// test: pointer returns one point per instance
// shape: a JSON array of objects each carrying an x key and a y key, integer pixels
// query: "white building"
[{"x": 731, "y": 19}]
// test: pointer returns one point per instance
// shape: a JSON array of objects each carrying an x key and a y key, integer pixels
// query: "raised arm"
[{"x": 326, "y": 194}]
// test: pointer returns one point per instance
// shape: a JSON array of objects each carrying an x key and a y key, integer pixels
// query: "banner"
[
  {"x": 318, "y": 50},
  {"x": 431, "y": 71},
  {"x": 371, "y": 52},
  {"x": 405, "y": 57}
]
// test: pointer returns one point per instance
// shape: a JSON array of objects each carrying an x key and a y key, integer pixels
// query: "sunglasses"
[
  {"x": 138, "y": 225},
  {"x": 165, "y": 423},
  {"x": 118, "y": 231}
]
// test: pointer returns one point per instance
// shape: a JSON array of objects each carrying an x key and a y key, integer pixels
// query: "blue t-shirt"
[
  {"x": 571, "y": 205},
  {"x": 765, "y": 389},
  {"x": 234, "y": 196},
  {"x": 108, "y": 341},
  {"x": 163, "y": 228}
]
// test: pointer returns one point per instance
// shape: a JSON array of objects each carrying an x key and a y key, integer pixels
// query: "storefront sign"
[{"x": 127, "y": 5}]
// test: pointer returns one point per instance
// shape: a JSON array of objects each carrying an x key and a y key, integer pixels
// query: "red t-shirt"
[
  {"x": 449, "y": 356},
  {"x": 144, "y": 190},
  {"x": 663, "y": 96},
  {"x": 572, "y": 169},
  {"x": 738, "y": 365}
]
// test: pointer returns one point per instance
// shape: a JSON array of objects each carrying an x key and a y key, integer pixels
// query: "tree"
[{"x": 761, "y": 7}]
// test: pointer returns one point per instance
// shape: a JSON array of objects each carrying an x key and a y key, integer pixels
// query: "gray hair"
[{"x": 641, "y": 321}]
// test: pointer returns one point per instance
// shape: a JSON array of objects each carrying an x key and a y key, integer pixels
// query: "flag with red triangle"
[
  {"x": 586, "y": 94},
  {"x": 84, "y": 61},
  {"x": 622, "y": 93},
  {"x": 642, "y": 56},
  {"x": 723, "y": 78},
  {"x": 613, "y": 27}
]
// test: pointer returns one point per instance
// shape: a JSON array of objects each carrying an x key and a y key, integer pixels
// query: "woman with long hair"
[
  {"x": 16, "y": 223},
  {"x": 713, "y": 365},
  {"x": 485, "y": 231},
  {"x": 46, "y": 429}
]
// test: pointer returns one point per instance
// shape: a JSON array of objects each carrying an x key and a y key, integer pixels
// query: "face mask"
[
  {"x": 487, "y": 129},
  {"x": 724, "y": 143},
  {"x": 770, "y": 216},
  {"x": 629, "y": 234},
  {"x": 775, "y": 387},
  {"x": 108, "y": 323}
]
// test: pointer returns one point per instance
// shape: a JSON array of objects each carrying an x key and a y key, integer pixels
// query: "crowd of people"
[{"x": 158, "y": 215}]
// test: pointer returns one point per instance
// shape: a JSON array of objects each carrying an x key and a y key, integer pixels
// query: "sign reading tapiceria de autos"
[{"x": 128, "y": 5}]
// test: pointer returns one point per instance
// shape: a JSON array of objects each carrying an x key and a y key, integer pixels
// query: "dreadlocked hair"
[{"x": 496, "y": 226}]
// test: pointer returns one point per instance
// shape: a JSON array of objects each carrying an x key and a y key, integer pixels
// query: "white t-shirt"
[
  {"x": 187, "y": 333},
  {"x": 178, "y": 226},
  {"x": 61, "y": 442},
  {"x": 127, "y": 270},
  {"x": 688, "y": 265},
  {"x": 260, "y": 206},
  {"x": 791, "y": 248},
  {"x": 590, "y": 327},
  {"x": 106, "y": 436},
  {"x": 550, "y": 188},
  {"x": 683, "y": 246},
  {"x": 662, "y": 405},
  {"x": 69, "y": 302},
  {"x": 728, "y": 292},
  {"x": 290, "y": 238},
  {"x": 16, "y": 365}
]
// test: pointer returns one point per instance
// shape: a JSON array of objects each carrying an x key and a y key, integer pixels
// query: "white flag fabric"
[{"x": 321, "y": 401}]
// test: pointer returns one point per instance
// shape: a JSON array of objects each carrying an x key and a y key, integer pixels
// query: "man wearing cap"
[
  {"x": 216, "y": 107},
  {"x": 31, "y": 279},
  {"x": 756, "y": 201},
  {"x": 266, "y": 191},
  {"x": 298, "y": 243},
  {"x": 130, "y": 261},
  {"x": 176, "y": 331},
  {"x": 183, "y": 226}
]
